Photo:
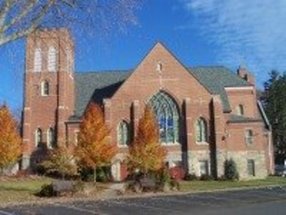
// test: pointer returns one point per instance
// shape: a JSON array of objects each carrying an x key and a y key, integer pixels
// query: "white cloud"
[{"x": 245, "y": 31}]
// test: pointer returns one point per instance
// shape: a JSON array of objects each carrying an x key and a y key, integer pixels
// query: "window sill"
[
  {"x": 170, "y": 144},
  {"x": 123, "y": 146},
  {"x": 202, "y": 143}
]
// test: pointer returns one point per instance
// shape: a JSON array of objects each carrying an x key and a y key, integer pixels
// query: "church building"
[{"x": 206, "y": 115}]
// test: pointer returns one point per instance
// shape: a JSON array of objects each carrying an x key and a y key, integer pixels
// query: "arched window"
[
  {"x": 167, "y": 115},
  {"x": 45, "y": 88},
  {"x": 76, "y": 138},
  {"x": 38, "y": 137},
  {"x": 50, "y": 138},
  {"x": 37, "y": 60},
  {"x": 201, "y": 130},
  {"x": 249, "y": 136},
  {"x": 52, "y": 59},
  {"x": 123, "y": 134},
  {"x": 240, "y": 110}
]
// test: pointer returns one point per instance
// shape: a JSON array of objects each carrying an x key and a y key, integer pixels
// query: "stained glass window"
[
  {"x": 38, "y": 137},
  {"x": 201, "y": 130},
  {"x": 167, "y": 115},
  {"x": 38, "y": 60},
  {"x": 240, "y": 110},
  {"x": 52, "y": 59},
  {"x": 45, "y": 88},
  {"x": 50, "y": 138},
  {"x": 249, "y": 136},
  {"x": 123, "y": 135}
]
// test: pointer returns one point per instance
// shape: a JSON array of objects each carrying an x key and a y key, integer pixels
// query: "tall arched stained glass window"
[
  {"x": 167, "y": 115},
  {"x": 123, "y": 136}
]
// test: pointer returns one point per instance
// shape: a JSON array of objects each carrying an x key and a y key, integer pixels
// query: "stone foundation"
[
  {"x": 193, "y": 161},
  {"x": 240, "y": 158}
]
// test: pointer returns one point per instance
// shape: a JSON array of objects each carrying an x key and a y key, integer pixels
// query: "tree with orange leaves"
[
  {"x": 146, "y": 153},
  {"x": 10, "y": 140},
  {"x": 94, "y": 149}
]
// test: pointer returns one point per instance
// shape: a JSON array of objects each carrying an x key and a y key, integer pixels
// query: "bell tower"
[{"x": 48, "y": 91}]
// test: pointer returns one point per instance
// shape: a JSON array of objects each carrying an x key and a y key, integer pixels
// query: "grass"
[
  {"x": 217, "y": 185},
  {"x": 20, "y": 189},
  {"x": 16, "y": 190}
]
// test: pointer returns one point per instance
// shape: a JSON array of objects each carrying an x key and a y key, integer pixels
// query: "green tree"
[
  {"x": 10, "y": 140},
  {"x": 230, "y": 170},
  {"x": 275, "y": 107}
]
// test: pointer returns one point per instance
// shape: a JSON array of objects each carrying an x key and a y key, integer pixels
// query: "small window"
[
  {"x": 204, "y": 167},
  {"x": 123, "y": 134},
  {"x": 38, "y": 60},
  {"x": 240, "y": 110},
  {"x": 45, "y": 88},
  {"x": 249, "y": 136},
  {"x": 76, "y": 138},
  {"x": 50, "y": 138},
  {"x": 201, "y": 130},
  {"x": 159, "y": 67},
  {"x": 52, "y": 59},
  {"x": 251, "y": 167},
  {"x": 38, "y": 137}
]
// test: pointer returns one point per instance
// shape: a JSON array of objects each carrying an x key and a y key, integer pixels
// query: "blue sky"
[{"x": 199, "y": 32}]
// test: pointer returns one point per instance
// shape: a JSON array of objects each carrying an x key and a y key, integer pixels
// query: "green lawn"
[
  {"x": 215, "y": 185},
  {"x": 19, "y": 189},
  {"x": 16, "y": 190}
]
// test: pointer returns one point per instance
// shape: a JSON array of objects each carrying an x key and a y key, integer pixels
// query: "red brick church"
[{"x": 206, "y": 114}]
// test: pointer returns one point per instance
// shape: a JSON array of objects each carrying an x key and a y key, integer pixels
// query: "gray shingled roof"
[
  {"x": 96, "y": 86},
  {"x": 215, "y": 78},
  {"x": 99, "y": 85}
]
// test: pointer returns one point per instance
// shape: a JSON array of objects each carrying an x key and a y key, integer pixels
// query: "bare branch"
[
  {"x": 18, "y": 18},
  {"x": 35, "y": 22},
  {"x": 25, "y": 11}
]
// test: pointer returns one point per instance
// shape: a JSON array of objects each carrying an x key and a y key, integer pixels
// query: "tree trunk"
[{"x": 94, "y": 174}]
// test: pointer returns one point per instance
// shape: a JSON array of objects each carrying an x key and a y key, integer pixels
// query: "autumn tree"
[
  {"x": 10, "y": 141},
  {"x": 94, "y": 149},
  {"x": 146, "y": 153},
  {"x": 60, "y": 161},
  {"x": 19, "y": 18}
]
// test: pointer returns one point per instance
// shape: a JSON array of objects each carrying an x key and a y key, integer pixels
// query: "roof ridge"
[
  {"x": 105, "y": 71},
  {"x": 209, "y": 66}
]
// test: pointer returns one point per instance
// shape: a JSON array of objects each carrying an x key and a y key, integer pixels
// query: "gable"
[
  {"x": 95, "y": 86},
  {"x": 161, "y": 70}
]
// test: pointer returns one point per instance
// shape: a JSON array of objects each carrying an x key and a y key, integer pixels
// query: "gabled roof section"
[
  {"x": 95, "y": 86},
  {"x": 215, "y": 79}
]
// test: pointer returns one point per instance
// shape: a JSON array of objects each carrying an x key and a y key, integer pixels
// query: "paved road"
[{"x": 253, "y": 201}]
